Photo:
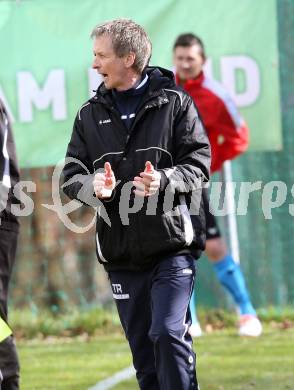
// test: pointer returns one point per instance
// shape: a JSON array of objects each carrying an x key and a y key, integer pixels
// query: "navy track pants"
[
  {"x": 9, "y": 364},
  {"x": 153, "y": 306}
]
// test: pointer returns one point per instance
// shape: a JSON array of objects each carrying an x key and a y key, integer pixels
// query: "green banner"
[{"x": 46, "y": 56}]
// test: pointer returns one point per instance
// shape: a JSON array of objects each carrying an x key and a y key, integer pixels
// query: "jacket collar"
[
  {"x": 192, "y": 83},
  {"x": 158, "y": 78}
]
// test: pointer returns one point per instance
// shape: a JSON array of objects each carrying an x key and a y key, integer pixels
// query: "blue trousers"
[{"x": 153, "y": 306}]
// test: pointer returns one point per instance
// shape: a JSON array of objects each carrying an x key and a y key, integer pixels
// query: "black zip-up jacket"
[
  {"x": 9, "y": 173},
  {"x": 166, "y": 131}
]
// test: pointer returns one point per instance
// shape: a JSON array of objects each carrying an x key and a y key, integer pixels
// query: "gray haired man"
[{"x": 139, "y": 140}]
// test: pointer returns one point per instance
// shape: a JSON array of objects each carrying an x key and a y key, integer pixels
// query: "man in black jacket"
[
  {"x": 139, "y": 148},
  {"x": 9, "y": 176}
]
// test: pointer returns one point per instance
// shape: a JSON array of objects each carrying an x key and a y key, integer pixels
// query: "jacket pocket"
[
  {"x": 111, "y": 243},
  {"x": 99, "y": 241},
  {"x": 162, "y": 233}
]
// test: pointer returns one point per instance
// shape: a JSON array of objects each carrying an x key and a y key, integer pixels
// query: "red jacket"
[{"x": 226, "y": 130}]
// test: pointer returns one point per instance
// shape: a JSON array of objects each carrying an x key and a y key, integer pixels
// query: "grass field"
[{"x": 225, "y": 361}]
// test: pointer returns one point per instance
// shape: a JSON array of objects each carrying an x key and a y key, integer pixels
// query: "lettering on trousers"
[{"x": 117, "y": 292}]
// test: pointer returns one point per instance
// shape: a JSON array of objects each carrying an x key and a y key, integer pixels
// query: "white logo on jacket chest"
[{"x": 103, "y": 121}]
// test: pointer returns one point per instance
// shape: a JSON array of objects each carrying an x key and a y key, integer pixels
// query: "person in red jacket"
[{"x": 228, "y": 136}]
